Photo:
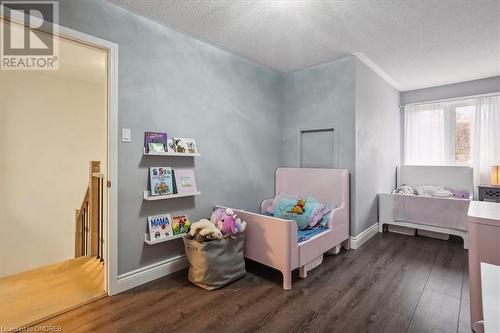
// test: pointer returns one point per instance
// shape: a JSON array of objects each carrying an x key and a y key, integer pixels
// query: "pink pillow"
[{"x": 318, "y": 211}]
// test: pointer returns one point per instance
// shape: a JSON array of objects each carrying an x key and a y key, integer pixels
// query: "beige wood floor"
[{"x": 39, "y": 294}]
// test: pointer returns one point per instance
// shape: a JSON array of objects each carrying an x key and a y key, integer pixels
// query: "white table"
[{"x": 490, "y": 286}]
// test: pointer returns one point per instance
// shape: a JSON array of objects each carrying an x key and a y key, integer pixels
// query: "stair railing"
[{"x": 89, "y": 217}]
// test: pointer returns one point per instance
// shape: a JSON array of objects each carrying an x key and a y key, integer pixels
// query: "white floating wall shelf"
[
  {"x": 169, "y": 153},
  {"x": 147, "y": 196},
  {"x": 148, "y": 240}
]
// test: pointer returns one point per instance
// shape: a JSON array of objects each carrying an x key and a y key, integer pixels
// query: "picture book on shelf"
[
  {"x": 170, "y": 145},
  {"x": 160, "y": 227},
  {"x": 160, "y": 181},
  {"x": 156, "y": 147},
  {"x": 155, "y": 142},
  {"x": 185, "y": 181},
  {"x": 180, "y": 224},
  {"x": 185, "y": 145}
]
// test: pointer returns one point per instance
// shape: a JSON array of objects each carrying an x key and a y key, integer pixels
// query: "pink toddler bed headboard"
[{"x": 329, "y": 186}]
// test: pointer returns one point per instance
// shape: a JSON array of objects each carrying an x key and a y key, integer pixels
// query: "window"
[
  {"x": 463, "y": 132},
  {"x": 464, "y": 118},
  {"x": 439, "y": 133}
]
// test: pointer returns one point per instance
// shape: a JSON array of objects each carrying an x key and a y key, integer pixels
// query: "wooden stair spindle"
[
  {"x": 78, "y": 234},
  {"x": 89, "y": 218},
  {"x": 94, "y": 208}
]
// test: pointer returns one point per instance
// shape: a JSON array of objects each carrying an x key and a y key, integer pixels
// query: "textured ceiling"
[{"x": 417, "y": 43}]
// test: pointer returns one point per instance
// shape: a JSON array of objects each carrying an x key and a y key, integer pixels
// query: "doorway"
[{"x": 54, "y": 200}]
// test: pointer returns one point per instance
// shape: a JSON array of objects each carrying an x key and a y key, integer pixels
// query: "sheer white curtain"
[
  {"x": 426, "y": 134},
  {"x": 486, "y": 138}
]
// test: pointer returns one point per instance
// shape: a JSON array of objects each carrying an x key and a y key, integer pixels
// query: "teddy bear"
[
  {"x": 204, "y": 230},
  {"x": 227, "y": 221},
  {"x": 299, "y": 207}
]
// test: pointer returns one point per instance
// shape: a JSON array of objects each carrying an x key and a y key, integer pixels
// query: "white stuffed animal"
[
  {"x": 405, "y": 189},
  {"x": 204, "y": 229}
]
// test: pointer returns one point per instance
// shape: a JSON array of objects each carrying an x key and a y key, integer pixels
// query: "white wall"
[
  {"x": 377, "y": 142},
  {"x": 51, "y": 125}
]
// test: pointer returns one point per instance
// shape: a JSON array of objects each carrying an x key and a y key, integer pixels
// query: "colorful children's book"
[
  {"x": 185, "y": 181},
  {"x": 160, "y": 227},
  {"x": 154, "y": 147},
  {"x": 180, "y": 224},
  {"x": 160, "y": 181},
  {"x": 156, "y": 141},
  {"x": 183, "y": 145}
]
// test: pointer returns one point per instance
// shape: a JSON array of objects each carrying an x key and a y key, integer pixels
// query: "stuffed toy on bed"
[
  {"x": 405, "y": 189},
  {"x": 227, "y": 221}
]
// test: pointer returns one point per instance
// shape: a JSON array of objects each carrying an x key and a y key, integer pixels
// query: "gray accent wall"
[
  {"x": 377, "y": 143},
  {"x": 321, "y": 97},
  {"x": 169, "y": 81},
  {"x": 246, "y": 120},
  {"x": 363, "y": 110},
  {"x": 461, "y": 89}
]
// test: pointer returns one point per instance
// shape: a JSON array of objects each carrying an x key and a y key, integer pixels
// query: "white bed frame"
[{"x": 455, "y": 177}]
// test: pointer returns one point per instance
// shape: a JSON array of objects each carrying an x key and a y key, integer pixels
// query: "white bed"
[{"x": 439, "y": 215}]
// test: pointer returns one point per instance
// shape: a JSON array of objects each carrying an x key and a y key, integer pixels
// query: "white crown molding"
[{"x": 376, "y": 68}]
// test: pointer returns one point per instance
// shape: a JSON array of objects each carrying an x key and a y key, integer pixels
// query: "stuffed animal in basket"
[
  {"x": 204, "y": 230},
  {"x": 227, "y": 221}
]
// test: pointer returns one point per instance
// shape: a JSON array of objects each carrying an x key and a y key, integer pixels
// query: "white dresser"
[
  {"x": 490, "y": 292},
  {"x": 484, "y": 247}
]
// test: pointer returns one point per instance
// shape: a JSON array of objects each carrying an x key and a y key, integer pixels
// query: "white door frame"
[
  {"x": 111, "y": 228},
  {"x": 111, "y": 284}
]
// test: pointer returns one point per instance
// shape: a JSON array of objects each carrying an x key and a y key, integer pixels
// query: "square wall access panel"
[{"x": 317, "y": 148}]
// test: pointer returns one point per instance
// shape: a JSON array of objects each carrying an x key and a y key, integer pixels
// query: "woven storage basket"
[{"x": 216, "y": 263}]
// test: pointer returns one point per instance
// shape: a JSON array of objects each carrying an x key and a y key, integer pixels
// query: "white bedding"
[{"x": 433, "y": 191}]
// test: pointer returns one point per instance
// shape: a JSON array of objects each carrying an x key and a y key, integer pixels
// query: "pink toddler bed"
[{"x": 273, "y": 241}]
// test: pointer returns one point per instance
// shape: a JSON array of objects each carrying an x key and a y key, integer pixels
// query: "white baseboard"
[
  {"x": 358, "y": 240},
  {"x": 149, "y": 273},
  {"x": 160, "y": 269}
]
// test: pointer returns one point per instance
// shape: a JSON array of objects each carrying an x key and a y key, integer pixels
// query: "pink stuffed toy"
[{"x": 227, "y": 222}]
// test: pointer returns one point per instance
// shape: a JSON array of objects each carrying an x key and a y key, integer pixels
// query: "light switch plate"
[{"x": 126, "y": 135}]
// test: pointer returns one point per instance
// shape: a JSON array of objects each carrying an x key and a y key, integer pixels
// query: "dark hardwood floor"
[{"x": 393, "y": 283}]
